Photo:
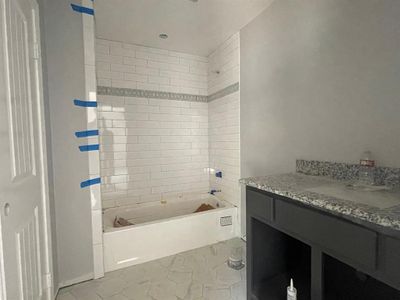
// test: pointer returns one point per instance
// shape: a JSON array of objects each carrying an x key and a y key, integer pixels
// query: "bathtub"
[{"x": 165, "y": 228}]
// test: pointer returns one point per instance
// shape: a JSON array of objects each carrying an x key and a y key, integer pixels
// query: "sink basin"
[{"x": 379, "y": 197}]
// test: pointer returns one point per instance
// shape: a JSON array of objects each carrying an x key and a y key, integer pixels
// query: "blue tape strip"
[
  {"x": 82, "y": 9},
  {"x": 86, "y": 148},
  {"x": 83, "y": 103},
  {"x": 86, "y": 133},
  {"x": 90, "y": 182}
]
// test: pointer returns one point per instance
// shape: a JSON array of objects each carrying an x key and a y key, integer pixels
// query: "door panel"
[
  {"x": 22, "y": 260},
  {"x": 20, "y": 100},
  {"x": 28, "y": 257}
]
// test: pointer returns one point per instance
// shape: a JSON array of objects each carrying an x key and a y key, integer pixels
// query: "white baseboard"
[
  {"x": 76, "y": 280},
  {"x": 56, "y": 289}
]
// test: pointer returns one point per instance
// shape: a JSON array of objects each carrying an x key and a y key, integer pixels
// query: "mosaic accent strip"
[
  {"x": 126, "y": 92},
  {"x": 224, "y": 92},
  {"x": 343, "y": 171}
]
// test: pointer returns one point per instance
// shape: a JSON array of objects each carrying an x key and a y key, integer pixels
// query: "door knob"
[{"x": 7, "y": 209}]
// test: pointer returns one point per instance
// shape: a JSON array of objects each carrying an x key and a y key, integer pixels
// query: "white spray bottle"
[{"x": 291, "y": 291}]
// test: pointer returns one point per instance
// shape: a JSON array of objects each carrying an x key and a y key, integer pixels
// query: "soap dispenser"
[{"x": 291, "y": 291}]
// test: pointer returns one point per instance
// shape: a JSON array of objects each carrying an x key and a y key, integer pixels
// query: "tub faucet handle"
[{"x": 212, "y": 192}]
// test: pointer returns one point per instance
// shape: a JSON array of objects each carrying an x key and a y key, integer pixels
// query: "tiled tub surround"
[
  {"x": 297, "y": 187},
  {"x": 224, "y": 118},
  {"x": 160, "y": 140},
  {"x": 153, "y": 123},
  {"x": 151, "y": 149}
]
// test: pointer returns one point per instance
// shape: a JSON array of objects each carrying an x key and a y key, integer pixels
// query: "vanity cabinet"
[
  {"x": 331, "y": 234},
  {"x": 327, "y": 256},
  {"x": 262, "y": 205}
]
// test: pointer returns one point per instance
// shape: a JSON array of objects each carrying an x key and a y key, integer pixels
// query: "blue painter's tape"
[
  {"x": 82, "y": 9},
  {"x": 86, "y": 133},
  {"x": 83, "y": 103},
  {"x": 86, "y": 148},
  {"x": 90, "y": 182}
]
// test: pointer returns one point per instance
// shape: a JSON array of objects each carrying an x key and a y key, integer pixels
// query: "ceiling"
[{"x": 193, "y": 27}]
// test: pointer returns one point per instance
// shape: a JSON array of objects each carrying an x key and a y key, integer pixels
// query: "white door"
[{"x": 23, "y": 257}]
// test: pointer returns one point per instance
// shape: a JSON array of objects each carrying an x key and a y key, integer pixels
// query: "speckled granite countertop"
[{"x": 300, "y": 187}]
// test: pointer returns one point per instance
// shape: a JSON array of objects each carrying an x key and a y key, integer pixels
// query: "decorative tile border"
[
  {"x": 224, "y": 92},
  {"x": 343, "y": 171},
  {"x": 126, "y": 92}
]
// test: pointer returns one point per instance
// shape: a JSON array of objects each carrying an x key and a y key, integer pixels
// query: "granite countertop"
[{"x": 330, "y": 195}]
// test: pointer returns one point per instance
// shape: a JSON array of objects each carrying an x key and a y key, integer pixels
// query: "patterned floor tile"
[{"x": 199, "y": 274}]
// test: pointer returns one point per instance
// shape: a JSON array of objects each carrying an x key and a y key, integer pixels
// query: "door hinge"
[
  {"x": 36, "y": 52},
  {"x": 48, "y": 281}
]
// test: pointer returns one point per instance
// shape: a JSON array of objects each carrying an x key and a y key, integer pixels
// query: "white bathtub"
[{"x": 164, "y": 229}]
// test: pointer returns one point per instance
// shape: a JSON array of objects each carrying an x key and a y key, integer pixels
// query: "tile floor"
[{"x": 200, "y": 274}]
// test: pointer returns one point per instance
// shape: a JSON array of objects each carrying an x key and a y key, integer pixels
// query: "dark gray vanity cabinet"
[{"x": 329, "y": 257}]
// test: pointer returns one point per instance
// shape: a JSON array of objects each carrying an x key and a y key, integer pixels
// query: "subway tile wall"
[
  {"x": 151, "y": 149},
  {"x": 158, "y": 148},
  {"x": 132, "y": 66},
  {"x": 225, "y": 60},
  {"x": 224, "y": 120}
]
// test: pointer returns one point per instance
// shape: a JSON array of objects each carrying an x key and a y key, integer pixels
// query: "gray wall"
[
  {"x": 65, "y": 81},
  {"x": 320, "y": 80}
]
